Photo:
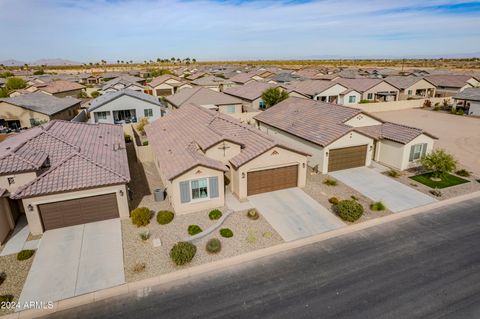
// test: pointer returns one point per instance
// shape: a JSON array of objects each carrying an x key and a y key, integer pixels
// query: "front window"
[
  {"x": 417, "y": 151},
  {"x": 199, "y": 188},
  {"x": 231, "y": 109},
  {"x": 370, "y": 96},
  {"x": 262, "y": 105},
  {"x": 148, "y": 112},
  {"x": 101, "y": 115},
  {"x": 410, "y": 92},
  {"x": 352, "y": 99}
]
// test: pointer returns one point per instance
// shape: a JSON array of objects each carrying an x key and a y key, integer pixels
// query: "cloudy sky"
[{"x": 90, "y": 30}]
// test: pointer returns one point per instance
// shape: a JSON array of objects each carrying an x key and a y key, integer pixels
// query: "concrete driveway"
[
  {"x": 294, "y": 214},
  {"x": 76, "y": 260},
  {"x": 378, "y": 187}
]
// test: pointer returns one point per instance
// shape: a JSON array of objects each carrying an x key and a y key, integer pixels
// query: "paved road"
[{"x": 425, "y": 266}]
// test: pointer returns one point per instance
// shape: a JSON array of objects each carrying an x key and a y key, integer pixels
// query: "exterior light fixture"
[
  {"x": 303, "y": 165},
  {"x": 326, "y": 154},
  {"x": 30, "y": 208},
  {"x": 121, "y": 193},
  {"x": 243, "y": 175}
]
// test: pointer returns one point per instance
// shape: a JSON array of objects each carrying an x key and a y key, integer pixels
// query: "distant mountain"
[
  {"x": 54, "y": 62},
  {"x": 12, "y": 62}
]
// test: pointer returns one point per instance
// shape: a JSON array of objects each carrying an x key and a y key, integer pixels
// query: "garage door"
[
  {"x": 271, "y": 179},
  {"x": 164, "y": 92},
  {"x": 78, "y": 211},
  {"x": 348, "y": 157}
]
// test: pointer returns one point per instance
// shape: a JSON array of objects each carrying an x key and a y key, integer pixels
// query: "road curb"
[{"x": 142, "y": 285}]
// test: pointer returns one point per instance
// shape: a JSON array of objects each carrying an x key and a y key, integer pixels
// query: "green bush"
[
  {"x": 213, "y": 246},
  {"x": 364, "y": 101},
  {"x": 194, "y": 229},
  {"x": 183, "y": 253},
  {"x": 436, "y": 108},
  {"x": 164, "y": 217},
  {"x": 393, "y": 173},
  {"x": 127, "y": 137},
  {"x": 140, "y": 216},
  {"x": 144, "y": 235},
  {"x": 25, "y": 254},
  {"x": 5, "y": 299},
  {"x": 253, "y": 214},
  {"x": 463, "y": 173},
  {"x": 145, "y": 143},
  {"x": 330, "y": 182},
  {"x": 354, "y": 197},
  {"x": 377, "y": 206},
  {"x": 436, "y": 192},
  {"x": 349, "y": 210},
  {"x": 333, "y": 200},
  {"x": 460, "y": 112},
  {"x": 439, "y": 162},
  {"x": 95, "y": 94},
  {"x": 3, "y": 276},
  {"x": 215, "y": 214},
  {"x": 226, "y": 232}
]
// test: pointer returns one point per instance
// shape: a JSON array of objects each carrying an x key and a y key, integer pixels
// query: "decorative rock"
[{"x": 156, "y": 242}]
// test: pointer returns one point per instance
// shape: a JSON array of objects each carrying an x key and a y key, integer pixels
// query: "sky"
[{"x": 90, "y": 30}]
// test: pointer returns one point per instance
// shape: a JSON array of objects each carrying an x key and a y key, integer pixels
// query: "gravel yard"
[
  {"x": 16, "y": 272},
  {"x": 321, "y": 193},
  {"x": 248, "y": 235}
]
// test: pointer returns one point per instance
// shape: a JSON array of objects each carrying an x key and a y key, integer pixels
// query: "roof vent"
[{"x": 100, "y": 136}]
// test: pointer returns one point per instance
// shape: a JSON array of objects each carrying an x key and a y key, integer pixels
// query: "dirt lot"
[{"x": 460, "y": 135}]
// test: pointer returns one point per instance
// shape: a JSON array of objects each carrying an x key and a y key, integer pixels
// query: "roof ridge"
[
  {"x": 102, "y": 166},
  {"x": 78, "y": 149}
]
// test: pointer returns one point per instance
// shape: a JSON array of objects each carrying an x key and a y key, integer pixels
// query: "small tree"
[
  {"x": 95, "y": 94},
  {"x": 273, "y": 96},
  {"x": 141, "y": 125},
  {"x": 15, "y": 83},
  {"x": 39, "y": 72},
  {"x": 439, "y": 162}
]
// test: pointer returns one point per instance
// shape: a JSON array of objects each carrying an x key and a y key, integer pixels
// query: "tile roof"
[
  {"x": 470, "y": 94},
  {"x": 42, "y": 103},
  {"x": 196, "y": 75},
  {"x": 323, "y": 123},
  {"x": 210, "y": 80},
  {"x": 180, "y": 139},
  {"x": 125, "y": 80},
  {"x": 402, "y": 82},
  {"x": 359, "y": 85},
  {"x": 311, "y": 87},
  {"x": 243, "y": 77},
  {"x": 60, "y": 86},
  {"x": 307, "y": 73},
  {"x": 108, "y": 97},
  {"x": 286, "y": 77},
  {"x": 448, "y": 80},
  {"x": 74, "y": 156},
  {"x": 201, "y": 96},
  {"x": 250, "y": 91},
  {"x": 162, "y": 78},
  {"x": 2, "y": 191}
]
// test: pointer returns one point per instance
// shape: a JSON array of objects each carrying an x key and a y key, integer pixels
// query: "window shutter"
[
  {"x": 424, "y": 149},
  {"x": 412, "y": 152},
  {"x": 184, "y": 192},
  {"x": 213, "y": 187}
]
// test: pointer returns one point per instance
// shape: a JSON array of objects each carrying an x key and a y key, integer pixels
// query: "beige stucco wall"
[
  {"x": 380, "y": 87},
  {"x": 216, "y": 151},
  {"x": 350, "y": 139},
  {"x": 420, "y": 85},
  {"x": 345, "y": 99},
  {"x": 362, "y": 120},
  {"x": 296, "y": 94},
  {"x": 276, "y": 157},
  {"x": 224, "y": 108},
  {"x": 33, "y": 217},
  {"x": 173, "y": 191},
  {"x": 332, "y": 91},
  {"x": 20, "y": 180},
  {"x": 6, "y": 221},
  {"x": 397, "y": 105}
]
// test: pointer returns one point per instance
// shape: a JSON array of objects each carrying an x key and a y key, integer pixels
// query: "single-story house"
[
  {"x": 469, "y": 99},
  {"x": 195, "y": 76},
  {"x": 165, "y": 85},
  {"x": 121, "y": 83},
  {"x": 375, "y": 90},
  {"x": 213, "y": 83},
  {"x": 318, "y": 90},
  {"x": 243, "y": 78},
  {"x": 450, "y": 84},
  {"x": 411, "y": 87},
  {"x": 206, "y": 98},
  {"x": 125, "y": 106},
  {"x": 65, "y": 173},
  {"x": 61, "y": 88},
  {"x": 341, "y": 137},
  {"x": 251, "y": 94},
  {"x": 308, "y": 73},
  {"x": 87, "y": 78},
  {"x": 285, "y": 78},
  {"x": 200, "y": 154},
  {"x": 31, "y": 109}
]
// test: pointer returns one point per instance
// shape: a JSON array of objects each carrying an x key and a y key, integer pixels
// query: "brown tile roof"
[
  {"x": 391, "y": 131},
  {"x": 469, "y": 94},
  {"x": 60, "y": 86},
  {"x": 243, "y": 77},
  {"x": 75, "y": 155},
  {"x": 211, "y": 80},
  {"x": 402, "y": 82},
  {"x": 311, "y": 87},
  {"x": 180, "y": 139},
  {"x": 448, "y": 80},
  {"x": 307, "y": 73},
  {"x": 359, "y": 85},
  {"x": 201, "y": 96},
  {"x": 162, "y": 78},
  {"x": 250, "y": 91}
]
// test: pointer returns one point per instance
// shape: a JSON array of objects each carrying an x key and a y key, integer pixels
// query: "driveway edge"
[{"x": 139, "y": 286}]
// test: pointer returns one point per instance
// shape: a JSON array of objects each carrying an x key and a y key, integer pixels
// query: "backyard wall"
[{"x": 397, "y": 105}]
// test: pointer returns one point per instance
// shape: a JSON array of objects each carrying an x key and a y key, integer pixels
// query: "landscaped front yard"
[
  {"x": 16, "y": 272},
  {"x": 447, "y": 181}
]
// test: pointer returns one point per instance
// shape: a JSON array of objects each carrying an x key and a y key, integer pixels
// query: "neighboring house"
[
  {"x": 61, "y": 88},
  {"x": 243, "y": 78},
  {"x": 31, "y": 109},
  {"x": 123, "y": 82},
  {"x": 411, "y": 87},
  {"x": 325, "y": 91},
  {"x": 63, "y": 174},
  {"x": 213, "y": 83},
  {"x": 285, "y": 78},
  {"x": 341, "y": 137},
  {"x": 308, "y": 73},
  {"x": 197, "y": 149},
  {"x": 469, "y": 99},
  {"x": 450, "y": 84},
  {"x": 125, "y": 106},
  {"x": 206, "y": 98},
  {"x": 195, "y": 76},
  {"x": 373, "y": 90},
  {"x": 87, "y": 78},
  {"x": 165, "y": 85}
]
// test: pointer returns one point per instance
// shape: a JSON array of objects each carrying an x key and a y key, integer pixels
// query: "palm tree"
[
  {"x": 194, "y": 60},
  {"x": 172, "y": 59},
  {"x": 178, "y": 60},
  {"x": 118, "y": 61}
]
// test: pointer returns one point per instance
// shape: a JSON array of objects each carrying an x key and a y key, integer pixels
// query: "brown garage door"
[
  {"x": 78, "y": 211},
  {"x": 271, "y": 179},
  {"x": 348, "y": 157},
  {"x": 164, "y": 92}
]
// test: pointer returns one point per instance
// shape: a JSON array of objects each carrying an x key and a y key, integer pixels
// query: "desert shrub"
[
  {"x": 427, "y": 103},
  {"x": 377, "y": 206},
  {"x": 25, "y": 254},
  {"x": 144, "y": 235},
  {"x": 436, "y": 108},
  {"x": 463, "y": 173},
  {"x": 95, "y": 94},
  {"x": 333, "y": 200},
  {"x": 437, "y": 104},
  {"x": 435, "y": 192},
  {"x": 251, "y": 237},
  {"x": 213, "y": 246},
  {"x": 226, "y": 232},
  {"x": 215, "y": 214},
  {"x": 393, "y": 173},
  {"x": 253, "y": 214},
  {"x": 460, "y": 112},
  {"x": 3, "y": 276},
  {"x": 140, "y": 216},
  {"x": 354, "y": 197},
  {"x": 165, "y": 217},
  {"x": 139, "y": 267},
  {"x": 194, "y": 229},
  {"x": 439, "y": 162},
  {"x": 330, "y": 182},
  {"x": 182, "y": 253},
  {"x": 145, "y": 143},
  {"x": 127, "y": 137},
  {"x": 445, "y": 103},
  {"x": 267, "y": 234},
  {"x": 5, "y": 299},
  {"x": 349, "y": 210},
  {"x": 141, "y": 125},
  {"x": 364, "y": 101}
]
